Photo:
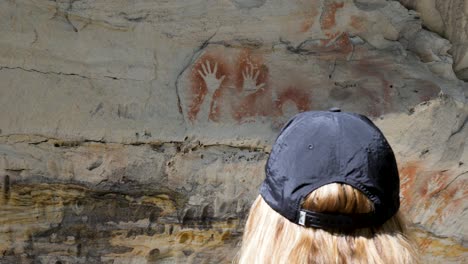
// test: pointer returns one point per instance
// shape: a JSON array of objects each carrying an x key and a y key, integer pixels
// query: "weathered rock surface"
[
  {"x": 449, "y": 19},
  {"x": 139, "y": 133}
]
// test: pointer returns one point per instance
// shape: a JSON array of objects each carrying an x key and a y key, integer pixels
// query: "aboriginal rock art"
[
  {"x": 234, "y": 85},
  {"x": 328, "y": 16},
  {"x": 239, "y": 85},
  {"x": 212, "y": 83},
  {"x": 254, "y": 95},
  {"x": 292, "y": 100},
  {"x": 333, "y": 37},
  {"x": 208, "y": 76},
  {"x": 250, "y": 85}
]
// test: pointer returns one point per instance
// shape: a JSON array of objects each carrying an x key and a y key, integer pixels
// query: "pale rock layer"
[{"x": 449, "y": 19}]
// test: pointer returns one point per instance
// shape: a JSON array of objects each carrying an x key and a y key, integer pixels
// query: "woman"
[{"x": 331, "y": 195}]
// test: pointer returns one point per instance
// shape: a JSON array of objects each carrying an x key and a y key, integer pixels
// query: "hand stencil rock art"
[
  {"x": 212, "y": 83},
  {"x": 207, "y": 77},
  {"x": 250, "y": 80},
  {"x": 232, "y": 85},
  {"x": 236, "y": 85}
]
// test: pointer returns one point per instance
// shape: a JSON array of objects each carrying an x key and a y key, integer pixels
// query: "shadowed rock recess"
[
  {"x": 449, "y": 19},
  {"x": 138, "y": 133}
]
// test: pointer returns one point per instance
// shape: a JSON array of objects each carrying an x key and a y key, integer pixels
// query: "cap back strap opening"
[{"x": 339, "y": 221}]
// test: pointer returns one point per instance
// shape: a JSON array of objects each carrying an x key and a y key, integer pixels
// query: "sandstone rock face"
[
  {"x": 139, "y": 133},
  {"x": 449, "y": 19}
]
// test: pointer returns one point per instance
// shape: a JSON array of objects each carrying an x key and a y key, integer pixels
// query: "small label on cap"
[
  {"x": 334, "y": 109},
  {"x": 302, "y": 216}
]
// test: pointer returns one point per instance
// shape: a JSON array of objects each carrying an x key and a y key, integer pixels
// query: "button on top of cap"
[{"x": 334, "y": 109}]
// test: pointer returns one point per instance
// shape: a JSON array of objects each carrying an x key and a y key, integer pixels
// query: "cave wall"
[
  {"x": 138, "y": 132},
  {"x": 447, "y": 18}
]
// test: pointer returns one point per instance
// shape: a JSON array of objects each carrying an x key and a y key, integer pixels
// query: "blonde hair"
[{"x": 271, "y": 238}]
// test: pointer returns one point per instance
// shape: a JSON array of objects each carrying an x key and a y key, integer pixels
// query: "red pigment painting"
[
  {"x": 207, "y": 77},
  {"x": 431, "y": 190},
  {"x": 328, "y": 19},
  {"x": 237, "y": 87},
  {"x": 309, "y": 20}
]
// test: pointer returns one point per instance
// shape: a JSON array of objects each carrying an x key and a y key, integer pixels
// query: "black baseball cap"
[{"x": 316, "y": 148}]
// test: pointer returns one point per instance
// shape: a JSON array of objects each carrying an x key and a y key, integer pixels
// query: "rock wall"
[
  {"x": 449, "y": 19},
  {"x": 138, "y": 133}
]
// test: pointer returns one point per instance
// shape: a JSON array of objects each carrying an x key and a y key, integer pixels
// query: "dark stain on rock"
[
  {"x": 135, "y": 232},
  {"x": 101, "y": 209},
  {"x": 367, "y": 5},
  {"x": 153, "y": 217},
  {"x": 79, "y": 240},
  {"x": 97, "y": 109},
  {"x": 67, "y": 144},
  {"x": 423, "y": 152},
  {"x": 248, "y": 4},
  {"x": 207, "y": 217},
  {"x": 160, "y": 148},
  {"x": 222, "y": 208},
  {"x": 90, "y": 219},
  {"x": 85, "y": 220},
  {"x": 159, "y": 228},
  {"x": 134, "y": 17},
  {"x": 187, "y": 252},
  {"x": 94, "y": 165},
  {"x": 153, "y": 255},
  {"x": 6, "y": 188},
  {"x": 189, "y": 220},
  {"x": 339, "y": 93},
  {"x": 123, "y": 111},
  {"x": 78, "y": 249},
  {"x": 8, "y": 257}
]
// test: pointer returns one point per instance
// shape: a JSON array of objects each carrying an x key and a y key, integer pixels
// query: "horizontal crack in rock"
[
  {"x": 182, "y": 145},
  {"x": 69, "y": 74}
]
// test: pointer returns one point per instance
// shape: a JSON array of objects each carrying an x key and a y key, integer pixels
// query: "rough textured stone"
[
  {"x": 449, "y": 19},
  {"x": 139, "y": 133}
]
